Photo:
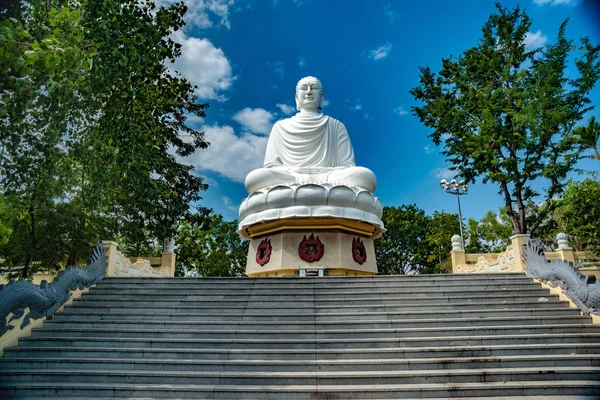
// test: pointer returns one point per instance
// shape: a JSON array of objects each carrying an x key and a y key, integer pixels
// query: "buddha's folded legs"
[
  {"x": 354, "y": 176},
  {"x": 351, "y": 176},
  {"x": 263, "y": 177}
]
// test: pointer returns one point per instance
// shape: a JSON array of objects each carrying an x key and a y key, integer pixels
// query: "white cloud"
[
  {"x": 286, "y": 109},
  {"x": 428, "y": 149},
  {"x": 201, "y": 13},
  {"x": 277, "y": 68},
  {"x": 357, "y": 106},
  {"x": 443, "y": 173},
  {"x": 297, "y": 3},
  {"x": 229, "y": 204},
  {"x": 380, "y": 52},
  {"x": 257, "y": 120},
  {"x": 391, "y": 14},
  {"x": 554, "y": 2},
  {"x": 326, "y": 103},
  {"x": 229, "y": 155},
  {"x": 301, "y": 62},
  {"x": 203, "y": 65},
  {"x": 210, "y": 182},
  {"x": 534, "y": 40},
  {"x": 400, "y": 110},
  {"x": 193, "y": 120}
]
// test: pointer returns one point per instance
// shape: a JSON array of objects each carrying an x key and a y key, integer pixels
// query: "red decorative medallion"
[
  {"x": 263, "y": 253},
  {"x": 359, "y": 252},
  {"x": 311, "y": 249}
]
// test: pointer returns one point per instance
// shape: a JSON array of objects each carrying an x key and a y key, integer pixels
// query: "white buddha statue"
[{"x": 310, "y": 148}]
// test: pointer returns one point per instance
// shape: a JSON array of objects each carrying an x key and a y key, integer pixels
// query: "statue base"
[
  {"x": 311, "y": 253},
  {"x": 311, "y": 229}
]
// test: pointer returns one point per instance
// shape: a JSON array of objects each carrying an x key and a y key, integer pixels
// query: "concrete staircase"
[{"x": 393, "y": 337}]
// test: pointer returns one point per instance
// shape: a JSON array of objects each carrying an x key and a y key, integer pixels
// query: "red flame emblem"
[
  {"x": 359, "y": 252},
  {"x": 263, "y": 252},
  {"x": 311, "y": 249}
]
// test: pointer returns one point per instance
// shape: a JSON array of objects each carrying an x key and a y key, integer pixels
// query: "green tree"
[
  {"x": 90, "y": 123},
  {"x": 509, "y": 112},
  {"x": 588, "y": 137},
  {"x": 440, "y": 229},
  {"x": 491, "y": 234},
  {"x": 5, "y": 228},
  {"x": 210, "y": 246},
  {"x": 40, "y": 61},
  {"x": 579, "y": 214},
  {"x": 403, "y": 248}
]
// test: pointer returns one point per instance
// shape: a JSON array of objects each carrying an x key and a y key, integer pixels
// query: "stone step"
[
  {"x": 375, "y": 298},
  {"x": 322, "y": 315},
  {"x": 412, "y": 300},
  {"x": 479, "y": 390},
  {"x": 209, "y": 353},
  {"x": 303, "y": 378},
  {"x": 382, "y": 314},
  {"x": 355, "y": 280},
  {"x": 139, "y": 301},
  {"x": 326, "y": 294},
  {"x": 328, "y": 396},
  {"x": 301, "y": 287},
  {"x": 75, "y": 313},
  {"x": 327, "y": 281},
  {"x": 322, "y": 321},
  {"x": 158, "y": 296},
  {"x": 573, "y": 334},
  {"x": 319, "y": 364},
  {"x": 409, "y": 328}
]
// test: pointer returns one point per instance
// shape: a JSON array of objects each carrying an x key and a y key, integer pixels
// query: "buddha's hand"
[
  {"x": 298, "y": 170},
  {"x": 308, "y": 171}
]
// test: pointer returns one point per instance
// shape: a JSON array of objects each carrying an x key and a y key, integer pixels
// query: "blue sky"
[{"x": 247, "y": 56}]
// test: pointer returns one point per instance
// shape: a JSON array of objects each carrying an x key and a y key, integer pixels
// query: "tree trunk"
[
  {"x": 31, "y": 247},
  {"x": 522, "y": 222},
  {"x": 73, "y": 256},
  {"x": 509, "y": 210}
]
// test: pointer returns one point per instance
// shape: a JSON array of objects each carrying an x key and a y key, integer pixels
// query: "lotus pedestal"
[{"x": 311, "y": 229}]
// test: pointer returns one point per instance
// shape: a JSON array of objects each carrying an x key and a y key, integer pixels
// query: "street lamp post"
[{"x": 458, "y": 189}]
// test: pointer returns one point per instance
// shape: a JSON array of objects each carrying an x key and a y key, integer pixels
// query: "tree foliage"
[
  {"x": 5, "y": 216},
  {"x": 587, "y": 137},
  {"x": 490, "y": 234},
  {"x": 414, "y": 242},
  {"x": 209, "y": 246},
  {"x": 579, "y": 214},
  {"x": 509, "y": 112},
  {"x": 90, "y": 123},
  {"x": 440, "y": 229}
]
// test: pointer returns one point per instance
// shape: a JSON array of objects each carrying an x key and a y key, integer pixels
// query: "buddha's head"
[{"x": 309, "y": 94}]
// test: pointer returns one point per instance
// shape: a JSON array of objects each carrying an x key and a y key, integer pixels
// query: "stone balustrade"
[
  {"x": 121, "y": 266},
  {"x": 511, "y": 260}
]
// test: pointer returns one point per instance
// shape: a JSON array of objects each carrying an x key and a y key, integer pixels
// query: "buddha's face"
[{"x": 309, "y": 94}]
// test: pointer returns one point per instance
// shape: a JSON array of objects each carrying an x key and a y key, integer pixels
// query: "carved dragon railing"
[
  {"x": 45, "y": 299},
  {"x": 584, "y": 291}
]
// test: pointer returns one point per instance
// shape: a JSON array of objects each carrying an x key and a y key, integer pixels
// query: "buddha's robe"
[{"x": 310, "y": 148}]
